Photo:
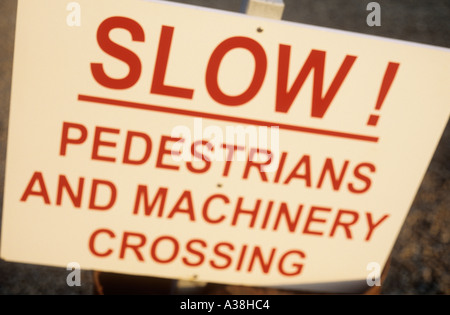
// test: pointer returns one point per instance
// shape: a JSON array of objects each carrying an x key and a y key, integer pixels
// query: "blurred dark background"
[{"x": 420, "y": 261}]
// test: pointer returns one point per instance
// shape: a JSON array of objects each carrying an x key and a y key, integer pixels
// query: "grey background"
[{"x": 420, "y": 261}]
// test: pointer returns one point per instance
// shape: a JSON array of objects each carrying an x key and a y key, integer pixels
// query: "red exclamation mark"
[{"x": 389, "y": 76}]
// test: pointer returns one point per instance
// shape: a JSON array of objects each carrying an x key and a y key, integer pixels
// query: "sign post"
[
  {"x": 253, "y": 152},
  {"x": 264, "y": 8}
]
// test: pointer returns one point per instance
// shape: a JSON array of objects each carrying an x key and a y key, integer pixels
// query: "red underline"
[{"x": 247, "y": 121}]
